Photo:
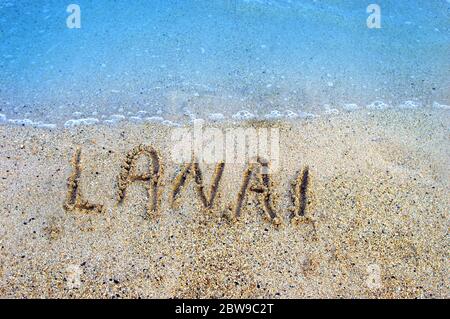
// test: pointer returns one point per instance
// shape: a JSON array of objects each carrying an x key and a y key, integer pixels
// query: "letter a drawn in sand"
[
  {"x": 74, "y": 198},
  {"x": 261, "y": 186},
  {"x": 193, "y": 169},
  {"x": 152, "y": 178}
]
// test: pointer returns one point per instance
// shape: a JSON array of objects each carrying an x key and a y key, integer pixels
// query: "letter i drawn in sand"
[
  {"x": 74, "y": 199},
  {"x": 300, "y": 197}
]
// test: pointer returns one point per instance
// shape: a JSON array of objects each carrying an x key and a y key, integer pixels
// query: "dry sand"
[{"x": 375, "y": 224}]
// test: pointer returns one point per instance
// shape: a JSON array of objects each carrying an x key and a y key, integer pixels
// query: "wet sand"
[{"x": 374, "y": 222}]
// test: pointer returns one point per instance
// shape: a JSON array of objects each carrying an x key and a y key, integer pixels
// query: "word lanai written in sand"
[{"x": 255, "y": 180}]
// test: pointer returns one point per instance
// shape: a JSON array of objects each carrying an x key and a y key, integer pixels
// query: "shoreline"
[
  {"x": 373, "y": 225},
  {"x": 242, "y": 116}
]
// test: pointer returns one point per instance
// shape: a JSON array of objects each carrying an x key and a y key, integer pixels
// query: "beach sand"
[{"x": 375, "y": 222}]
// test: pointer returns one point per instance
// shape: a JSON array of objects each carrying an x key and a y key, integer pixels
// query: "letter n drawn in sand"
[
  {"x": 261, "y": 185},
  {"x": 193, "y": 169},
  {"x": 151, "y": 178},
  {"x": 74, "y": 198}
]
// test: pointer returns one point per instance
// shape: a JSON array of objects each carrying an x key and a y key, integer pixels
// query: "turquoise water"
[{"x": 177, "y": 60}]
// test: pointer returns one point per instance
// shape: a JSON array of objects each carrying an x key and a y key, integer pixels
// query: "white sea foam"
[
  {"x": 350, "y": 107},
  {"x": 154, "y": 119},
  {"x": 275, "y": 114},
  {"x": 28, "y": 122},
  {"x": 188, "y": 113},
  {"x": 331, "y": 111},
  {"x": 306, "y": 114},
  {"x": 141, "y": 113},
  {"x": 409, "y": 105},
  {"x": 291, "y": 114},
  {"x": 216, "y": 117},
  {"x": 25, "y": 122},
  {"x": 81, "y": 122},
  {"x": 170, "y": 123},
  {"x": 136, "y": 119},
  {"x": 46, "y": 125},
  {"x": 378, "y": 105},
  {"x": 437, "y": 105},
  {"x": 117, "y": 117},
  {"x": 243, "y": 115}
]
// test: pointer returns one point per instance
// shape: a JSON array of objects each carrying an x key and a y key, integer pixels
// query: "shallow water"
[{"x": 177, "y": 60}]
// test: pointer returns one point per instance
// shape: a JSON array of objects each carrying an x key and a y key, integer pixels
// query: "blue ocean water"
[{"x": 182, "y": 59}]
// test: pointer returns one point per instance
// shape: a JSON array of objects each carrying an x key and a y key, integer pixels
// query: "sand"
[{"x": 374, "y": 222}]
